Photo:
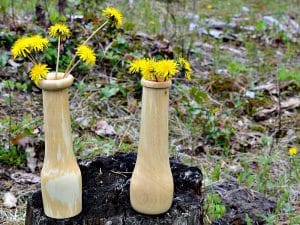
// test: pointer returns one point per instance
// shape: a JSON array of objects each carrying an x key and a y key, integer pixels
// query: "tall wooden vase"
[
  {"x": 61, "y": 181},
  {"x": 151, "y": 187}
]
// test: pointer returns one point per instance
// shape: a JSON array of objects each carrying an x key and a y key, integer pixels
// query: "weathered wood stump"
[{"x": 106, "y": 196}]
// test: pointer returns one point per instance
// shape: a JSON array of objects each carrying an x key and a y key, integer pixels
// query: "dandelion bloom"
[
  {"x": 86, "y": 54},
  {"x": 59, "y": 30},
  {"x": 21, "y": 47},
  {"x": 114, "y": 16},
  {"x": 185, "y": 68},
  {"x": 293, "y": 151},
  {"x": 147, "y": 69},
  {"x": 166, "y": 68},
  {"x": 38, "y": 43},
  {"x": 137, "y": 65},
  {"x": 38, "y": 72}
]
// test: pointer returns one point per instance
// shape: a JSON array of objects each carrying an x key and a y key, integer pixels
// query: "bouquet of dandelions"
[
  {"x": 28, "y": 47},
  {"x": 160, "y": 70}
]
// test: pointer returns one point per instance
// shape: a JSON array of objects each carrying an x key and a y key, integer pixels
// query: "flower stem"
[
  {"x": 71, "y": 68},
  {"x": 93, "y": 34},
  {"x": 68, "y": 70},
  {"x": 57, "y": 60},
  {"x": 31, "y": 58}
]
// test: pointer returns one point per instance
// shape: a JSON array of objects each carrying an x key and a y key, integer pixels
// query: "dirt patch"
[{"x": 106, "y": 196}]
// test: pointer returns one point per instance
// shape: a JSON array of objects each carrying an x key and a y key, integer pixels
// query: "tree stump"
[{"x": 106, "y": 196}]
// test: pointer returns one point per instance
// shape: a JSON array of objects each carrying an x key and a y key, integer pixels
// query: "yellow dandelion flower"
[
  {"x": 86, "y": 54},
  {"x": 166, "y": 69},
  {"x": 147, "y": 69},
  {"x": 59, "y": 30},
  {"x": 209, "y": 6},
  {"x": 185, "y": 68},
  {"x": 38, "y": 43},
  {"x": 114, "y": 16},
  {"x": 38, "y": 72},
  {"x": 293, "y": 151},
  {"x": 137, "y": 65},
  {"x": 21, "y": 47}
]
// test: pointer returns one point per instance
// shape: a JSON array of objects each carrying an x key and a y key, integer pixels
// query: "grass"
[{"x": 210, "y": 113}]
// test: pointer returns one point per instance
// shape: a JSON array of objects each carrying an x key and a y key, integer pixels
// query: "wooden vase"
[
  {"x": 61, "y": 181},
  {"x": 151, "y": 187}
]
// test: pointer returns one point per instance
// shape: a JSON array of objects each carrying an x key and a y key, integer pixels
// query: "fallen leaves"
[
  {"x": 291, "y": 103},
  {"x": 102, "y": 128}
]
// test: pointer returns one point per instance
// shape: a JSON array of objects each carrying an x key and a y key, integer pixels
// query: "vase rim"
[
  {"x": 156, "y": 85},
  {"x": 53, "y": 83}
]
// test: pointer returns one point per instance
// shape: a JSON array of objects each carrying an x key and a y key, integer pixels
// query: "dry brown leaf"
[
  {"x": 102, "y": 128},
  {"x": 291, "y": 103}
]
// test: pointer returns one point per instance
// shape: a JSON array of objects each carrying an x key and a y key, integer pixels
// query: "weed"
[
  {"x": 214, "y": 209},
  {"x": 111, "y": 90},
  {"x": 236, "y": 68},
  {"x": 285, "y": 74},
  {"x": 216, "y": 173},
  {"x": 13, "y": 156}
]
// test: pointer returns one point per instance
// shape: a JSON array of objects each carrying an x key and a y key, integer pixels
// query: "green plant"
[
  {"x": 111, "y": 90},
  {"x": 218, "y": 131},
  {"x": 214, "y": 209},
  {"x": 246, "y": 176},
  {"x": 285, "y": 74},
  {"x": 216, "y": 173},
  {"x": 236, "y": 68},
  {"x": 103, "y": 147},
  {"x": 14, "y": 85},
  {"x": 13, "y": 156},
  {"x": 263, "y": 178},
  {"x": 248, "y": 220},
  {"x": 17, "y": 132}
]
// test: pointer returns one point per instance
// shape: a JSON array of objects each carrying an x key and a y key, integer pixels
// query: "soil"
[
  {"x": 240, "y": 202},
  {"x": 106, "y": 196}
]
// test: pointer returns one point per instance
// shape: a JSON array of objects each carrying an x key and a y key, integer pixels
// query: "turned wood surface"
[
  {"x": 151, "y": 188},
  {"x": 60, "y": 177}
]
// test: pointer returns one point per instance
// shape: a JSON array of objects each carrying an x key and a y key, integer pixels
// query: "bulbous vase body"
[
  {"x": 151, "y": 187},
  {"x": 61, "y": 181}
]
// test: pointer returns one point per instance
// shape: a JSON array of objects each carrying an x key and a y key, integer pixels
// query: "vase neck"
[
  {"x": 153, "y": 142},
  {"x": 57, "y": 127}
]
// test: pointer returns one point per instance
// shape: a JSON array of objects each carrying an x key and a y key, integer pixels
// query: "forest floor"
[{"x": 238, "y": 118}]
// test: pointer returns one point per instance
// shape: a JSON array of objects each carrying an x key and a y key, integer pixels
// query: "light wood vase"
[
  {"x": 151, "y": 187},
  {"x": 61, "y": 181}
]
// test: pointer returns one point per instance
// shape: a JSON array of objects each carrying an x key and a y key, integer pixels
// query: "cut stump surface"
[{"x": 106, "y": 196}]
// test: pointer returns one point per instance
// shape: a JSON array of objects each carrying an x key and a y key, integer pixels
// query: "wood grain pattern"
[
  {"x": 151, "y": 188},
  {"x": 61, "y": 181}
]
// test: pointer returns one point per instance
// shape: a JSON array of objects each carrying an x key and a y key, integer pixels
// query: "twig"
[
  {"x": 279, "y": 111},
  {"x": 9, "y": 125},
  {"x": 121, "y": 173}
]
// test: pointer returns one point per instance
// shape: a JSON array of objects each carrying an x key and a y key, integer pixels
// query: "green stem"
[
  {"x": 93, "y": 34},
  {"x": 66, "y": 74},
  {"x": 57, "y": 60},
  {"x": 31, "y": 58},
  {"x": 68, "y": 70}
]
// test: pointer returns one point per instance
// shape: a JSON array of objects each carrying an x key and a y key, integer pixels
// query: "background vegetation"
[{"x": 237, "y": 118}]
